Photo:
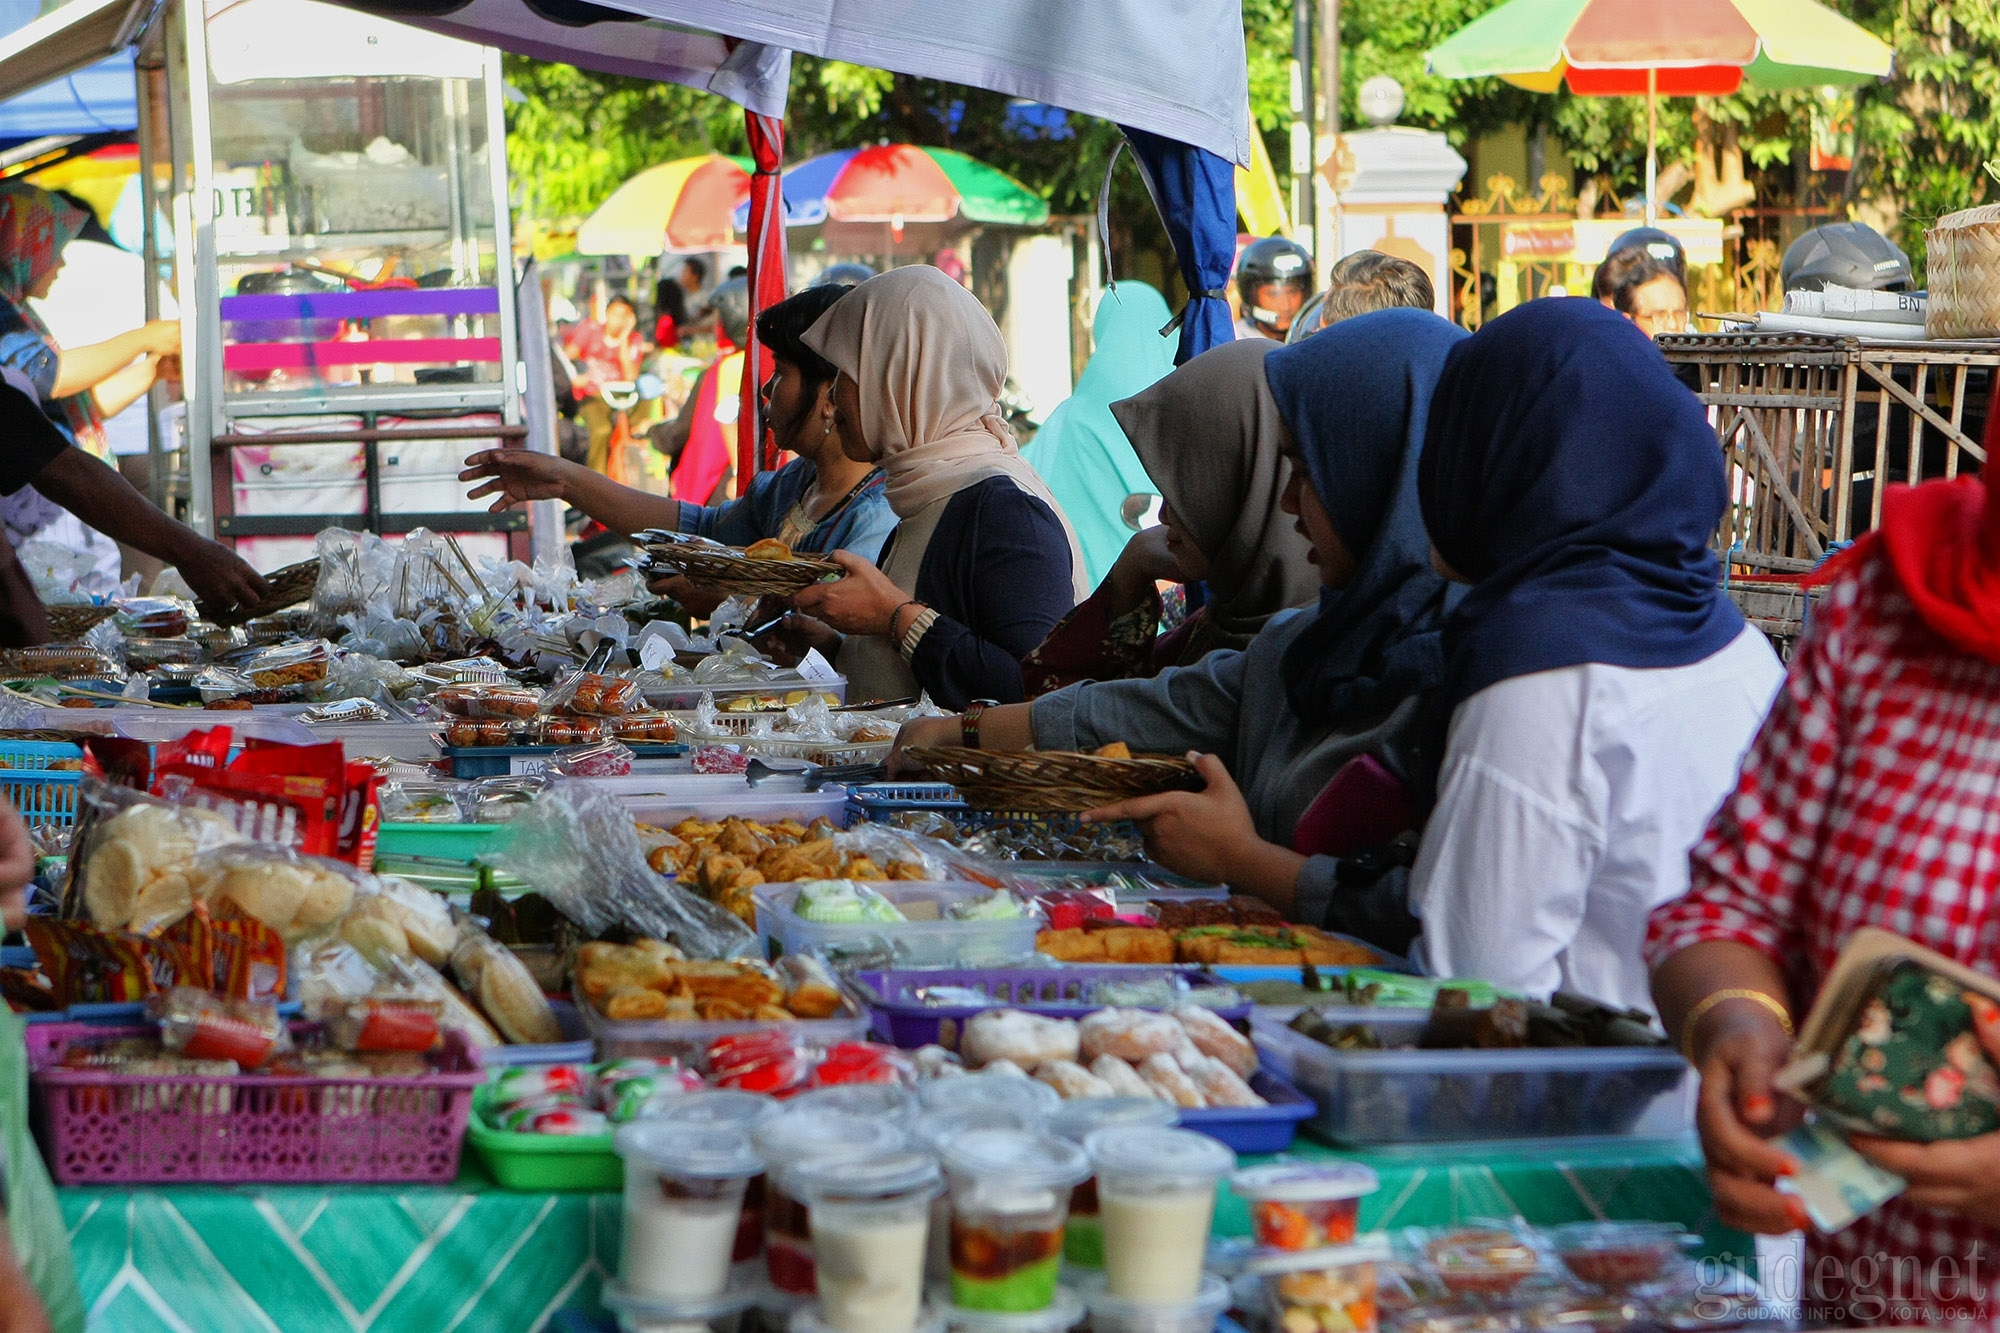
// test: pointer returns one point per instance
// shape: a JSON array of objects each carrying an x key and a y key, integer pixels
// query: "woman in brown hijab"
[{"x": 1210, "y": 437}]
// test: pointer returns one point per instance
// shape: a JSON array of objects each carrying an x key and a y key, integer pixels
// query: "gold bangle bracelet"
[{"x": 1714, "y": 998}]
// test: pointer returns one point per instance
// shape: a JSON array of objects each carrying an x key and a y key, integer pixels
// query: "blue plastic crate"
[{"x": 42, "y": 797}]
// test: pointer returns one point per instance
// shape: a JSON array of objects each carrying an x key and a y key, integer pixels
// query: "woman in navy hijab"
[{"x": 1599, "y": 688}]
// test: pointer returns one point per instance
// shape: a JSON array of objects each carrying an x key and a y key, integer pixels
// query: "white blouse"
[{"x": 1567, "y": 806}]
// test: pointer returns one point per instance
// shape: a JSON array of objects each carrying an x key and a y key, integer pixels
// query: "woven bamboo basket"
[
  {"x": 732, "y": 572},
  {"x": 1963, "y": 250},
  {"x": 1052, "y": 782},
  {"x": 73, "y": 622},
  {"x": 289, "y": 586}
]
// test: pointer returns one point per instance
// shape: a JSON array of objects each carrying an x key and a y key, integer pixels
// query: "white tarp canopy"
[{"x": 1174, "y": 67}]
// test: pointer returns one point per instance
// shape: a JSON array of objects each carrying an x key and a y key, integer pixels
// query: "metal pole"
[
  {"x": 1329, "y": 55},
  {"x": 1305, "y": 214},
  {"x": 1652, "y": 147}
]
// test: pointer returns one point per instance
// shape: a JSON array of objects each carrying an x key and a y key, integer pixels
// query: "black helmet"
[
  {"x": 850, "y": 273},
  {"x": 731, "y": 303},
  {"x": 1845, "y": 254},
  {"x": 1661, "y": 245},
  {"x": 1273, "y": 259}
]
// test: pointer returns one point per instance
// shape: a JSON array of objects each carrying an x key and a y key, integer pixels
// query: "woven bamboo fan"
[
  {"x": 1964, "y": 258},
  {"x": 1051, "y": 782},
  {"x": 289, "y": 586},
  {"x": 729, "y": 571},
  {"x": 73, "y": 622}
]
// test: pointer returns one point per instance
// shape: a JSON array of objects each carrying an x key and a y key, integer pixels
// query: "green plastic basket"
[
  {"x": 542, "y": 1163},
  {"x": 451, "y": 842}
]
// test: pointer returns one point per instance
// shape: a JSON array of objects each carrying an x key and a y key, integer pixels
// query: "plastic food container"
[
  {"x": 638, "y": 1313},
  {"x": 1063, "y": 1312},
  {"x": 1482, "y": 1258},
  {"x": 905, "y": 1016},
  {"x": 869, "y": 1219},
  {"x": 1032, "y": 1100},
  {"x": 792, "y": 1140},
  {"x": 744, "y": 1111},
  {"x": 683, "y": 1196},
  {"x": 1617, "y": 1255},
  {"x": 931, "y": 940},
  {"x": 1009, "y": 1200},
  {"x": 674, "y": 696},
  {"x": 666, "y": 799},
  {"x": 1333, "y": 1288},
  {"x": 1111, "y": 1313},
  {"x": 1304, "y": 1205},
  {"x": 1083, "y": 1239},
  {"x": 886, "y": 1101},
  {"x": 660, "y": 1037},
  {"x": 1155, "y": 1199},
  {"x": 1404, "y": 1095},
  {"x": 811, "y": 1319}
]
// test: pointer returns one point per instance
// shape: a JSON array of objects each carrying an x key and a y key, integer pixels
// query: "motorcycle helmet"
[
  {"x": 1845, "y": 254},
  {"x": 731, "y": 303},
  {"x": 1661, "y": 245},
  {"x": 1273, "y": 260},
  {"x": 848, "y": 274}
]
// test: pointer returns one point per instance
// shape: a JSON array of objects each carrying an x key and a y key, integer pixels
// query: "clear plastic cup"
[
  {"x": 802, "y": 1134},
  {"x": 1025, "y": 1095},
  {"x": 1110, "y": 1313},
  {"x": 1083, "y": 1238},
  {"x": 735, "y": 1110},
  {"x": 1009, "y": 1200},
  {"x": 683, "y": 1200},
  {"x": 1333, "y": 1286},
  {"x": 1156, "y": 1198},
  {"x": 1061, "y": 1314},
  {"x": 810, "y": 1319},
  {"x": 889, "y": 1101},
  {"x": 869, "y": 1216},
  {"x": 934, "y": 1129},
  {"x": 1304, "y": 1205},
  {"x": 642, "y": 1314}
]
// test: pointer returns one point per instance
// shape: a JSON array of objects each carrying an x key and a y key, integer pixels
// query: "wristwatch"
[{"x": 968, "y": 721}]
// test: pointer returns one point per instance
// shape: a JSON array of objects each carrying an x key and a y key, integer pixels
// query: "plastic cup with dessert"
[
  {"x": 731, "y": 1110},
  {"x": 637, "y": 1313},
  {"x": 1111, "y": 1313},
  {"x": 801, "y": 1135},
  {"x": 1304, "y": 1205},
  {"x": 684, "y": 1188},
  {"x": 1025, "y": 1095},
  {"x": 869, "y": 1217},
  {"x": 1060, "y": 1314},
  {"x": 1155, "y": 1201},
  {"x": 1009, "y": 1200},
  {"x": 888, "y": 1101},
  {"x": 1083, "y": 1239}
]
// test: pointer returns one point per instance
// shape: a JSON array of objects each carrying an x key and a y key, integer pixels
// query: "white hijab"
[{"x": 930, "y": 365}]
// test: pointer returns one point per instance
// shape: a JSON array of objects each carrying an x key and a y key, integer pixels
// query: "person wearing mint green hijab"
[{"x": 1080, "y": 450}]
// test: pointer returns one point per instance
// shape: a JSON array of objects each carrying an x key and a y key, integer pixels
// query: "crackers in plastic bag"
[
  {"x": 400, "y": 920},
  {"x": 293, "y": 894},
  {"x": 133, "y": 865},
  {"x": 501, "y": 985}
]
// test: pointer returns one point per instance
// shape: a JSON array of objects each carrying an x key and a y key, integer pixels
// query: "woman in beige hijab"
[{"x": 983, "y": 563}]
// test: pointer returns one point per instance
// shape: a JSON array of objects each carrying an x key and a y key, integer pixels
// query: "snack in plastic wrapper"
[
  {"x": 578, "y": 847},
  {"x": 200, "y": 1026},
  {"x": 605, "y": 759},
  {"x": 595, "y": 694},
  {"x": 646, "y": 729},
  {"x": 501, "y": 702},
  {"x": 385, "y": 1023},
  {"x": 498, "y": 800},
  {"x": 155, "y": 617},
  {"x": 294, "y": 894},
  {"x": 289, "y": 664},
  {"x": 503, "y": 987},
  {"x": 423, "y": 802},
  {"x": 565, "y": 731},
  {"x": 467, "y": 734},
  {"x": 400, "y": 920},
  {"x": 133, "y": 862}
]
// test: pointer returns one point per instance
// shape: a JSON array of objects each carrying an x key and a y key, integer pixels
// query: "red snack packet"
[
  {"x": 767, "y": 1062},
  {"x": 86, "y": 965},
  {"x": 378, "y": 1024},
  {"x": 249, "y": 960},
  {"x": 860, "y": 1062},
  {"x": 199, "y": 1026},
  {"x": 360, "y": 816}
]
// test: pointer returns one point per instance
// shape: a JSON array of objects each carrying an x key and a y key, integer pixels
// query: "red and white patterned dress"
[{"x": 1870, "y": 798}]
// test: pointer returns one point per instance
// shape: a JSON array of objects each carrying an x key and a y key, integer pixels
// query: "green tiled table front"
[{"x": 369, "y": 1258}]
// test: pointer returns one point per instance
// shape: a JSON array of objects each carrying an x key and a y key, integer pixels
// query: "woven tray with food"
[
  {"x": 1056, "y": 782},
  {"x": 288, "y": 587},
  {"x": 767, "y": 568}
]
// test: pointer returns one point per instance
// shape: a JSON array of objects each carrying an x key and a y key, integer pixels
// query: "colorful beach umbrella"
[
  {"x": 684, "y": 205},
  {"x": 1650, "y": 48},
  {"x": 900, "y": 184}
]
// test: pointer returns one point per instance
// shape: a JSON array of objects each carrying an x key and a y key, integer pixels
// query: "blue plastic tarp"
[{"x": 100, "y": 98}]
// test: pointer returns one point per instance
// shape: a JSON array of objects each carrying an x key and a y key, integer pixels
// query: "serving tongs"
[{"x": 843, "y": 775}]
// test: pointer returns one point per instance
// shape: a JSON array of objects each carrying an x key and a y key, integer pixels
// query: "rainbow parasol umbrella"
[
  {"x": 1646, "y": 48},
  {"x": 899, "y": 184},
  {"x": 684, "y": 205}
]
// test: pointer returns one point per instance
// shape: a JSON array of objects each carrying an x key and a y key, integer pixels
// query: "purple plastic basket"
[
  {"x": 106, "y": 1128},
  {"x": 1054, "y": 992}
]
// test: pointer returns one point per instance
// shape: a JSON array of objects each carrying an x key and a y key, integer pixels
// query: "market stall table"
[{"x": 473, "y": 1256}]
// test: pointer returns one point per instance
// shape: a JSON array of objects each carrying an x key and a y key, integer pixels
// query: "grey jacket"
[{"x": 1232, "y": 704}]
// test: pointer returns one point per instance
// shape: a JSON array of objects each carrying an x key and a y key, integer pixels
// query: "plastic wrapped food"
[
  {"x": 422, "y": 802},
  {"x": 153, "y": 617},
  {"x": 503, "y": 987},
  {"x": 646, "y": 728},
  {"x": 466, "y": 733},
  {"x": 146, "y": 654},
  {"x": 488, "y": 701},
  {"x": 289, "y": 664},
  {"x": 134, "y": 865},
  {"x": 603, "y": 759},
  {"x": 561, "y": 731},
  {"x": 1617, "y": 1255},
  {"x": 595, "y": 694},
  {"x": 1483, "y": 1259},
  {"x": 386, "y": 1023},
  {"x": 500, "y": 800},
  {"x": 201, "y": 1026}
]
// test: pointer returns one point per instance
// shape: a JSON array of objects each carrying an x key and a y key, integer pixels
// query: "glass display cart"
[{"x": 329, "y": 212}]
